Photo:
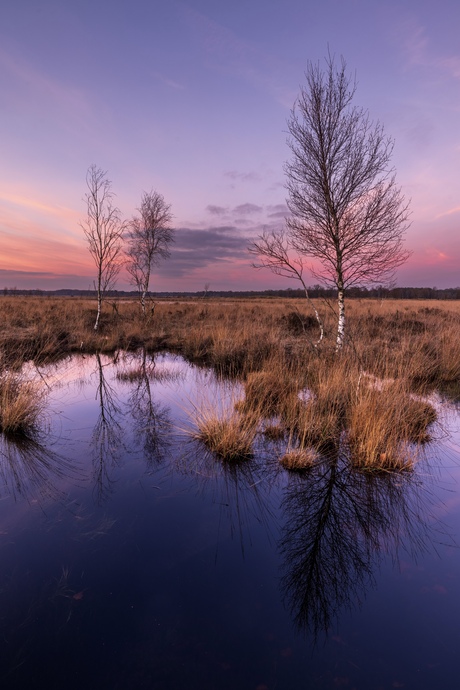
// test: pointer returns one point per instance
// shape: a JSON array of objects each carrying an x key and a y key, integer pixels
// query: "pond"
[{"x": 130, "y": 557}]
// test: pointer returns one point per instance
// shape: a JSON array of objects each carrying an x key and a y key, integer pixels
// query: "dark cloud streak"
[
  {"x": 243, "y": 177},
  {"x": 216, "y": 210},
  {"x": 195, "y": 249},
  {"x": 247, "y": 209}
]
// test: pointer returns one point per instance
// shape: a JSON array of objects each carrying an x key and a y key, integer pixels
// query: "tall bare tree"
[
  {"x": 347, "y": 211},
  {"x": 149, "y": 238},
  {"x": 104, "y": 230}
]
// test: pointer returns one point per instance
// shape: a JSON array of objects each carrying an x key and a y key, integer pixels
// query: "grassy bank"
[
  {"x": 390, "y": 339},
  {"x": 370, "y": 394}
]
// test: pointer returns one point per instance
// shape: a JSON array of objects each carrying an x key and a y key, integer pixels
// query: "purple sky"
[{"x": 191, "y": 98}]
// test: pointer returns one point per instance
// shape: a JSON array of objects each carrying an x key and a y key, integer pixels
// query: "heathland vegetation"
[
  {"x": 324, "y": 385},
  {"x": 369, "y": 401}
]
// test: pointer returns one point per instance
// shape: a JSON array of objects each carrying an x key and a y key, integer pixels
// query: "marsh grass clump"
[
  {"x": 313, "y": 424},
  {"x": 274, "y": 432},
  {"x": 317, "y": 417},
  {"x": 296, "y": 323},
  {"x": 385, "y": 426},
  {"x": 268, "y": 390},
  {"x": 420, "y": 415},
  {"x": 21, "y": 404},
  {"x": 140, "y": 373},
  {"x": 225, "y": 432},
  {"x": 299, "y": 459},
  {"x": 382, "y": 421}
]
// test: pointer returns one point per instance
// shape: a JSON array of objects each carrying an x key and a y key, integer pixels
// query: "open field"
[
  {"x": 415, "y": 339},
  {"x": 396, "y": 352}
]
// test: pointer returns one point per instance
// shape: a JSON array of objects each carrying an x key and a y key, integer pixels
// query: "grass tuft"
[
  {"x": 384, "y": 426},
  {"x": 227, "y": 433},
  {"x": 299, "y": 459},
  {"x": 21, "y": 404},
  {"x": 274, "y": 432}
]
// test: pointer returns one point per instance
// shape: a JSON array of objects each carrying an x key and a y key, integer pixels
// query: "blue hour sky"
[{"x": 191, "y": 98}]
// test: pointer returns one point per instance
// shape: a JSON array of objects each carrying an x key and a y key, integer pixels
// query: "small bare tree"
[
  {"x": 149, "y": 238},
  {"x": 103, "y": 229},
  {"x": 347, "y": 211},
  {"x": 276, "y": 253}
]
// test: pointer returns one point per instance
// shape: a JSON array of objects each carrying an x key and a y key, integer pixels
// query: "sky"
[{"x": 191, "y": 98}]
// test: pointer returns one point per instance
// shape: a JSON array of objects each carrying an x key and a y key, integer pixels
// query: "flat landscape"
[{"x": 208, "y": 487}]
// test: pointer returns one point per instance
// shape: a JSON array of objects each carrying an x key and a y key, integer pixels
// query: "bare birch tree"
[
  {"x": 347, "y": 211},
  {"x": 103, "y": 229},
  {"x": 149, "y": 238}
]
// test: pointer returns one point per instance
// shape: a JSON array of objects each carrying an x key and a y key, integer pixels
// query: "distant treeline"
[{"x": 315, "y": 291}]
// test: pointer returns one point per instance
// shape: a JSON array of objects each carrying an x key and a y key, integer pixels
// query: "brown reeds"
[
  {"x": 299, "y": 459},
  {"x": 224, "y": 431},
  {"x": 384, "y": 426},
  {"x": 21, "y": 404},
  {"x": 268, "y": 389},
  {"x": 238, "y": 336},
  {"x": 316, "y": 397}
]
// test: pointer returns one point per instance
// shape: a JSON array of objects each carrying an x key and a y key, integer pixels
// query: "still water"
[{"x": 130, "y": 558}]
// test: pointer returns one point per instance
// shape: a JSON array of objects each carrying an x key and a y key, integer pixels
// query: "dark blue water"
[{"x": 130, "y": 558}]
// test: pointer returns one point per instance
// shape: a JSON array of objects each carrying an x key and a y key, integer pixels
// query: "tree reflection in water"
[
  {"x": 30, "y": 470},
  {"x": 151, "y": 419},
  {"x": 107, "y": 438},
  {"x": 337, "y": 523}
]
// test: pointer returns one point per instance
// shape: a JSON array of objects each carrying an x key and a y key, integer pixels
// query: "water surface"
[{"x": 131, "y": 558}]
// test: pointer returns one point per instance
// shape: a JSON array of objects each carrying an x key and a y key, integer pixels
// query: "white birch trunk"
[
  {"x": 99, "y": 304},
  {"x": 341, "y": 323}
]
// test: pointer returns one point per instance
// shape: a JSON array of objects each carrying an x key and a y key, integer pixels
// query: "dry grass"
[
  {"x": 384, "y": 426},
  {"x": 225, "y": 432},
  {"x": 416, "y": 339},
  {"x": 21, "y": 404},
  {"x": 140, "y": 373},
  {"x": 267, "y": 344},
  {"x": 268, "y": 389},
  {"x": 274, "y": 432},
  {"x": 299, "y": 459},
  {"x": 318, "y": 420}
]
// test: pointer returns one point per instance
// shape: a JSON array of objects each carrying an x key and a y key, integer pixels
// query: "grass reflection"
[{"x": 30, "y": 469}]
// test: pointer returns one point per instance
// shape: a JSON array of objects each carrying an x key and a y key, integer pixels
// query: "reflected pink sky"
[{"x": 191, "y": 98}]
